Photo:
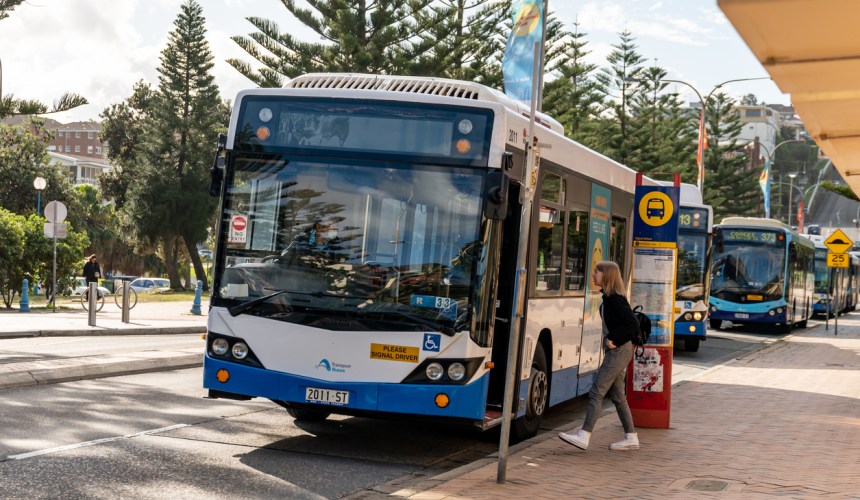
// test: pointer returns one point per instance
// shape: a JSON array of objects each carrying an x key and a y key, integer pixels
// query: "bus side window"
[
  {"x": 549, "y": 248},
  {"x": 577, "y": 250}
]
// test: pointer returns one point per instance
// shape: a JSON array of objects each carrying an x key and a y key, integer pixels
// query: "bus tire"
[
  {"x": 715, "y": 323},
  {"x": 691, "y": 344},
  {"x": 802, "y": 324},
  {"x": 308, "y": 415},
  {"x": 537, "y": 399}
]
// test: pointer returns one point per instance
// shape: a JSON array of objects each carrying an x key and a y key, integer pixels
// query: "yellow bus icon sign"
[{"x": 656, "y": 208}]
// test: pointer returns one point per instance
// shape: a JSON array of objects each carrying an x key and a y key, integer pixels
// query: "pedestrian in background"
[
  {"x": 92, "y": 270},
  {"x": 619, "y": 327}
]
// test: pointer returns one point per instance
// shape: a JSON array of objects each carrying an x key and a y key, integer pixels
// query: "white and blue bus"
[
  {"x": 366, "y": 252},
  {"x": 821, "y": 295},
  {"x": 762, "y": 272},
  {"x": 695, "y": 225}
]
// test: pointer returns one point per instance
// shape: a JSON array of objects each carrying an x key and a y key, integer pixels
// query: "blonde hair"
[{"x": 613, "y": 283}]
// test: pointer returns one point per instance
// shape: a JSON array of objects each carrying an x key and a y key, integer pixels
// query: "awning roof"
[{"x": 811, "y": 48}]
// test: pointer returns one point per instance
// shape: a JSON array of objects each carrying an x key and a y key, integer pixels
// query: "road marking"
[{"x": 22, "y": 456}]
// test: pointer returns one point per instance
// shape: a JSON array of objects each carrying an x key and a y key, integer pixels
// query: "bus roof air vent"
[{"x": 418, "y": 85}]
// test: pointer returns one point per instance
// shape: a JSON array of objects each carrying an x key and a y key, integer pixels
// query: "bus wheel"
[
  {"x": 537, "y": 400},
  {"x": 308, "y": 415},
  {"x": 801, "y": 324},
  {"x": 715, "y": 323},
  {"x": 691, "y": 344}
]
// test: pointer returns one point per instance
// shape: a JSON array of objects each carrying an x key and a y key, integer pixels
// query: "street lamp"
[
  {"x": 790, "y": 193},
  {"x": 39, "y": 183},
  {"x": 700, "y": 156}
]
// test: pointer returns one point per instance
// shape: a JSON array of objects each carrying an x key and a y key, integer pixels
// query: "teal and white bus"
[
  {"x": 695, "y": 225},
  {"x": 762, "y": 272},
  {"x": 365, "y": 261}
]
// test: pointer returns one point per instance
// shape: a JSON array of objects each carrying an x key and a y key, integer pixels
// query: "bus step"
[{"x": 492, "y": 418}]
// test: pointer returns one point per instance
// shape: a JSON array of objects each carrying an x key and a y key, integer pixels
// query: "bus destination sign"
[
  {"x": 693, "y": 218},
  {"x": 750, "y": 236}
]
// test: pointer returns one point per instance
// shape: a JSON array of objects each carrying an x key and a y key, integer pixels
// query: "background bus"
[
  {"x": 366, "y": 256},
  {"x": 695, "y": 225},
  {"x": 821, "y": 295},
  {"x": 762, "y": 272}
]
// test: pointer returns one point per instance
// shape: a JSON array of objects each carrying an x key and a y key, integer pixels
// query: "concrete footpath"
[
  {"x": 32, "y": 351},
  {"x": 780, "y": 421}
]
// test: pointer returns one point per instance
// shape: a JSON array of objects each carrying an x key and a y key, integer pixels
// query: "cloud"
[{"x": 612, "y": 17}]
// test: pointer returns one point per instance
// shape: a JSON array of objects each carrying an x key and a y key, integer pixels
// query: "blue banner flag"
[
  {"x": 764, "y": 182},
  {"x": 518, "y": 62}
]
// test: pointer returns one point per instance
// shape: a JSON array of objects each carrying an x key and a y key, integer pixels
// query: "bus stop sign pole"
[{"x": 531, "y": 174}]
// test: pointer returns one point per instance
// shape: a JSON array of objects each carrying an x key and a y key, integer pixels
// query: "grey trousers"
[{"x": 611, "y": 380}]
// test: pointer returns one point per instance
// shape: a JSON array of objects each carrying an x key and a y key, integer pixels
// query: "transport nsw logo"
[{"x": 332, "y": 367}]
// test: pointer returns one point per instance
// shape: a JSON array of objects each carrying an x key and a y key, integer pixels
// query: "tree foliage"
[
  {"x": 730, "y": 187},
  {"x": 164, "y": 140},
  {"x": 25, "y": 252},
  {"x": 381, "y": 36},
  {"x": 24, "y": 156}
]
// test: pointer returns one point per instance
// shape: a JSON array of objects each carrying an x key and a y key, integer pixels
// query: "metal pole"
[
  {"x": 829, "y": 299},
  {"x": 38, "y": 202},
  {"x": 530, "y": 175},
  {"x": 93, "y": 291},
  {"x": 836, "y": 292},
  {"x": 542, "y": 55},
  {"x": 126, "y": 287},
  {"x": 54, "y": 289}
]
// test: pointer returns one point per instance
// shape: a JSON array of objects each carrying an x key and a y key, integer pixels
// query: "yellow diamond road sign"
[{"x": 838, "y": 242}]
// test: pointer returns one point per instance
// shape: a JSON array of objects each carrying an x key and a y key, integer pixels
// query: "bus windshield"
[
  {"x": 692, "y": 253},
  {"x": 821, "y": 271},
  {"x": 748, "y": 271},
  {"x": 355, "y": 244}
]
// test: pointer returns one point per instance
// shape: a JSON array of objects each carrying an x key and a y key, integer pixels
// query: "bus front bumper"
[
  {"x": 695, "y": 329},
  {"x": 762, "y": 315},
  {"x": 463, "y": 401}
]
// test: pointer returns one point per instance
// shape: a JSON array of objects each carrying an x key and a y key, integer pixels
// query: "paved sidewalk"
[
  {"x": 781, "y": 421},
  {"x": 146, "y": 318},
  {"x": 29, "y": 356}
]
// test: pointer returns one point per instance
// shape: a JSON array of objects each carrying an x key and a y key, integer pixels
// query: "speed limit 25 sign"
[{"x": 837, "y": 259}]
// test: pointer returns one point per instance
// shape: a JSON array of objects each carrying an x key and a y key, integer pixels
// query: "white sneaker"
[
  {"x": 579, "y": 439},
  {"x": 630, "y": 442}
]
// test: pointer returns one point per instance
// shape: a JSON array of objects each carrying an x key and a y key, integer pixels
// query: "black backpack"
[{"x": 644, "y": 331}]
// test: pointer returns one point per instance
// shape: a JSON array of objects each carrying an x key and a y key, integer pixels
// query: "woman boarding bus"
[
  {"x": 408, "y": 307},
  {"x": 762, "y": 272}
]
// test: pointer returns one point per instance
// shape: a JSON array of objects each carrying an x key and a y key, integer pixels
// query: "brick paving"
[{"x": 783, "y": 421}]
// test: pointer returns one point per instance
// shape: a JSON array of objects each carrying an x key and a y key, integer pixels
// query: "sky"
[{"x": 100, "y": 48}]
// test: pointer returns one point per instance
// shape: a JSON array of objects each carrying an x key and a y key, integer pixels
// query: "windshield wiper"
[{"x": 246, "y": 306}]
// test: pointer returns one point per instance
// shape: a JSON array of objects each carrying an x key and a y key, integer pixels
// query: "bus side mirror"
[
  {"x": 216, "y": 173},
  {"x": 718, "y": 241},
  {"x": 496, "y": 197}
]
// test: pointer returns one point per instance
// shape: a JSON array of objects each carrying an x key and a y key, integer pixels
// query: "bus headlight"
[
  {"x": 240, "y": 350},
  {"x": 220, "y": 347},
  {"x": 456, "y": 371},
  {"x": 434, "y": 371},
  {"x": 772, "y": 312},
  {"x": 687, "y": 317},
  {"x": 697, "y": 316},
  {"x": 713, "y": 308}
]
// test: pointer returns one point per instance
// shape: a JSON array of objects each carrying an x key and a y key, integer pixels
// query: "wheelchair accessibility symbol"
[{"x": 432, "y": 342}]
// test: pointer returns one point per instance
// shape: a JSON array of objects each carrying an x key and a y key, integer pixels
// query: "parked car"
[
  {"x": 80, "y": 285},
  {"x": 150, "y": 285}
]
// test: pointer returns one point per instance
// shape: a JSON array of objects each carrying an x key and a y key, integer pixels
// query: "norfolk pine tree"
[
  {"x": 624, "y": 62},
  {"x": 663, "y": 135},
  {"x": 574, "y": 97},
  {"x": 362, "y": 36},
  {"x": 729, "y": 186},
  {"x": 168, "y": 200}
]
